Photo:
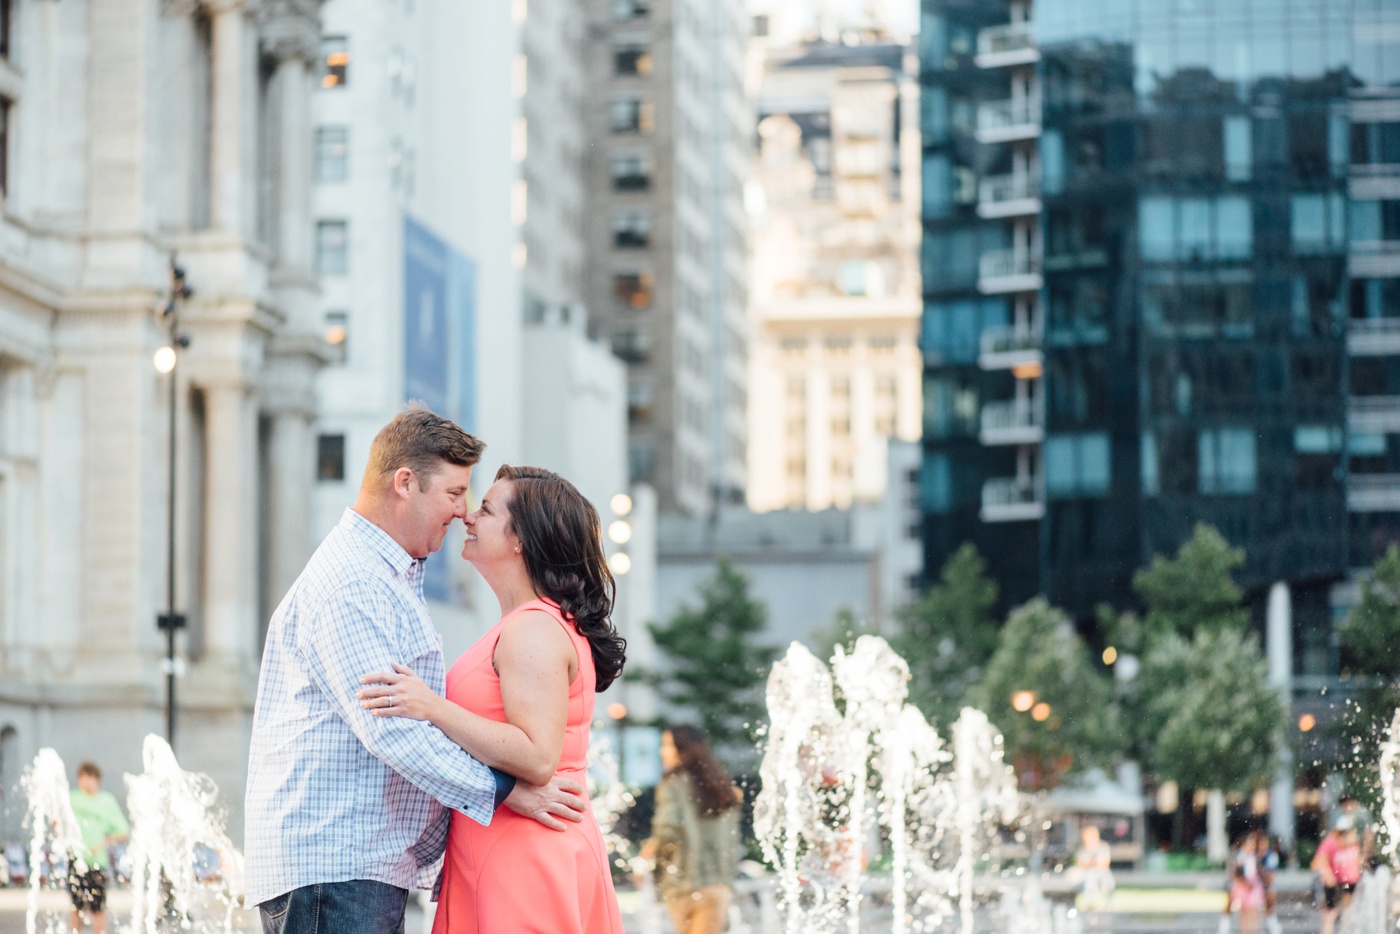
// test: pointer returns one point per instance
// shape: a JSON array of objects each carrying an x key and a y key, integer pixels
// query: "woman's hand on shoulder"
[{"x": 398, "y": 694}]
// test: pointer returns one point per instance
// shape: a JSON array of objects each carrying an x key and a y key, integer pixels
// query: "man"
[
  {"x": 343, "y": 813},
  {"x": 103, "y": 825}
]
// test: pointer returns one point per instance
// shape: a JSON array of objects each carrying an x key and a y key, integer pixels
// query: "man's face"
[
  {"x": 89, "y": 783},
  {"x": 433, "y": 503}
]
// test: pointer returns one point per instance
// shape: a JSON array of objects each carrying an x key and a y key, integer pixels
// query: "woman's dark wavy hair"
[
  {"x": 561, "y": 540},
  {"x": 714, "y": 789}
]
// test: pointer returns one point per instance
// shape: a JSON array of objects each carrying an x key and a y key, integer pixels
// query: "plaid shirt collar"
[{"x": 383, "y": 544}]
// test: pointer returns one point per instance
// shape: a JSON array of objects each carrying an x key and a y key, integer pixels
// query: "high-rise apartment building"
[
  {"x": 666, "y": 275},
  {"x": 835, "y": 366},
  {"x": 1159, "y": 277}
]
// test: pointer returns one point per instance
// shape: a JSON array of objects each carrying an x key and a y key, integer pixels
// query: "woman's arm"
[{"x": 536, "y": 663}]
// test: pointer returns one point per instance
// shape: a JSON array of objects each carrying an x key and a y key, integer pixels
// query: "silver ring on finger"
[{"x": 389, "y": 701}]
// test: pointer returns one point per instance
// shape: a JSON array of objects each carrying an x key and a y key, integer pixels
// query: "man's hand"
[{"x": 561, "y": 798}]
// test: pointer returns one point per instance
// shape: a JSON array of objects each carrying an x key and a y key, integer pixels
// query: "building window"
[
  {"x": 632, "y": 115},
  {"x": 1077, "y": 465},
  {"x": 631, "y": 61},
  {"x": 330, "y": 458},
  {"x": 641, "y": 464},
  {"x": 4, "y": 146},
  {"x": 631, "y": 231},
  {"x": 1226, "y": 461},
  {"x": 641, "y": 402},
  {"x": 337, "y": 331},
  {"x": 1317, "y": 223},
  {"x": 634, "y": 289},
  {"x": 7, "y": 21},
  {"x": 332, "y": 248},
  {"x": 624, "y": 10},
  {"x": 335, "y": 62},
  {"x": 332, "y": 153},
  {"x": 631, "y": 173},
  {"x": 1239, "y": 149},
  {"x": 632, "y": 346}
]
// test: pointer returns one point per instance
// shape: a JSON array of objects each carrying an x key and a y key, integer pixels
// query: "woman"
[
  {"x": 694, "y": 833},
  {"x": 521, "y": 700}
]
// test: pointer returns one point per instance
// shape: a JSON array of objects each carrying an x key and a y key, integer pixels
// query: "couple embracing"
[{"x": 362, "y": 773}]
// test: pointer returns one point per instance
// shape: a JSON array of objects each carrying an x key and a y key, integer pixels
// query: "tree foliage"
[
  {"x": 1194, "y": 590},
  {"x": 1039, "y": 652},
  {"x": 1370, "y": 638},
  {"x": 1203, "y": 711},
  {"x": 713, "y": 664},
  {"x": 1208, "y": 716},
  {"x": 949, "y": 635}
]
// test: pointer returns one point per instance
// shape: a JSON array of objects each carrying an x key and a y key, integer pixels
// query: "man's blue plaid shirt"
[{"x": 335, "y": 793}]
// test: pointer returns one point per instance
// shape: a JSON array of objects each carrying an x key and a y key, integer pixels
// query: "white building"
[
  {"x": 131, "y": 131},
  {"x": 449, "y": 219},
  {"x": 835, "y": 367}
]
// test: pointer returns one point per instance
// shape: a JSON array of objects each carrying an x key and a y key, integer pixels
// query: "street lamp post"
[{"x": 165, "y": 360}]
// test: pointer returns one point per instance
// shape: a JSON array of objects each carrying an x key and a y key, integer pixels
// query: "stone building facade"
[{"x": 134, "y": 131}]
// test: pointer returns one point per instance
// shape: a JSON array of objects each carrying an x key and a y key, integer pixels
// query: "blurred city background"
[{"x": 1058, "y": 342}]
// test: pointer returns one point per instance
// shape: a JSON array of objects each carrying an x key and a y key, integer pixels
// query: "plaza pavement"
[{"x": 1185, "y": 905}]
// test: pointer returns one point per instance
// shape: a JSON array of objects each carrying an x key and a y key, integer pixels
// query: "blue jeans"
[{"x": 357, "y": 907}]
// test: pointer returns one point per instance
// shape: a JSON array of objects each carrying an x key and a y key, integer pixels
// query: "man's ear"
[{"x": 404, "y": 481}]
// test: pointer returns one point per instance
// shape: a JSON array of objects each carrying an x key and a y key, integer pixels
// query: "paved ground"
[{"x": 1138, "y": 911}]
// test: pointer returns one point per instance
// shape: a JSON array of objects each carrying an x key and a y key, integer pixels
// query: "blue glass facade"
[{"x": 1175, "y": 227}]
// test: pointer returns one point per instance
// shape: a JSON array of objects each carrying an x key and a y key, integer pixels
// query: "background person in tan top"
[{"x": 694, "y": 833}]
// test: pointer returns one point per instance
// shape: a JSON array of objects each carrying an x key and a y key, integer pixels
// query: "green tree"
[
  {"x": 1208, "y": 716},
  {"x": 1051, "y": 701},
  {"x": 1370, "y": 638},
  {"x": 1203, "y": 712},
  {"x": 1195, "y": 589},
  {"x": 713, "y": 665},
  {"x": 845, "y": 628},
  {"x": 949, "y": 635}
]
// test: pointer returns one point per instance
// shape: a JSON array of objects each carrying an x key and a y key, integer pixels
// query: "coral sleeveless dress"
[{"x": 517, "y": 876}]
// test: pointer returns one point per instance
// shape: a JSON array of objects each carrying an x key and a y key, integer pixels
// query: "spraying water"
[
  {"x": 54, "y": 827},
  {"x": 177, "y": 832},
  {"x": 837, "y": 776}
]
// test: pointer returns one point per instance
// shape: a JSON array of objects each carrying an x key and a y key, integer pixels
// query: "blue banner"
[{"x": 439, "y": 305}]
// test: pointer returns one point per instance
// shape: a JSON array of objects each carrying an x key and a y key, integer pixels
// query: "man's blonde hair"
[{"x": 421, "y": 441}]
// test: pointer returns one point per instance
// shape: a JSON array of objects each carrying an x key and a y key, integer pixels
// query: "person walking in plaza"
[
  {"x": 1094, "y": 863},
  {"x": 1338, "y": 863},
  {"x": 694, "y": 833},
  {"x": 103, "y": 826},
  {"x": 1249, "y": 883},
  {"x": 521, "y": 699},
  {"x": 344, "y": 810}
]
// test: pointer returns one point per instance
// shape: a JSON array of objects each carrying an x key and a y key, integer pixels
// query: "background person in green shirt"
[
  {"x": 101, "y": 820},
  {"x": 694, "y": 833}
]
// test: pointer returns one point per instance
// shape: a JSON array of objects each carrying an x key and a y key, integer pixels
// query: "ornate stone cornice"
[{"x": 290, "y": 29}]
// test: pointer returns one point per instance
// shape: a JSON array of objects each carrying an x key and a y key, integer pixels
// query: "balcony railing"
[
  {"x": 1003, "y": 121},
  {"x": 1008, "y": 195},
  {"x": 1003, "y": 40},
  {"x": 1008, "y": 271},
  {"x": 1011, "y": 500},
  {"x": 1016, "y": 421},
  {"x": 1375, "y": 181},
  {"x": 1010, "y": 340},
  {"x": 1374, "y": 492},
  {"x": 1374, "y": 258},
  {"x": 1373, "y": 336},
  {"x": 1373, "y": 414}
]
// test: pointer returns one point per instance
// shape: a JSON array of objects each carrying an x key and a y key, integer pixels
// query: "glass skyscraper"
[{"x": 1161, "y": 269}]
